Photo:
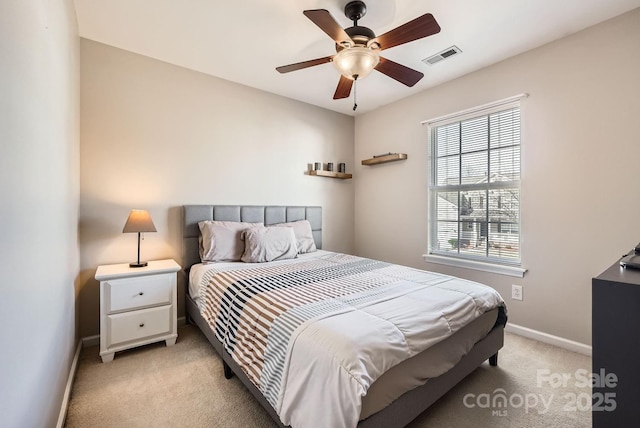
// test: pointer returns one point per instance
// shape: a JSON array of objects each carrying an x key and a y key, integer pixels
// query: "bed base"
[{"x": 397, "y": 414}]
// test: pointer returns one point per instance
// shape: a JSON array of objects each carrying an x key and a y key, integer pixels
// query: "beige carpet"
[{"x": 184, "y": 386}]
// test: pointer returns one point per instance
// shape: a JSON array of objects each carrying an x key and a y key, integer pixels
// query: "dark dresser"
[{"x": 616, "y": 347}]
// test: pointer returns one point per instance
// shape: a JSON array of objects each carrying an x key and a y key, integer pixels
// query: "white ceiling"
[{"x": 245, "y": 40}]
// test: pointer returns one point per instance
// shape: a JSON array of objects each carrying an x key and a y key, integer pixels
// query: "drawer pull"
[
  {"x": 141, "y": 324},
  {"x": 141, "y": 293}
]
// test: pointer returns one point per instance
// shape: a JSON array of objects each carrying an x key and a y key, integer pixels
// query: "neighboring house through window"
[{"x": 474, "y": 185}]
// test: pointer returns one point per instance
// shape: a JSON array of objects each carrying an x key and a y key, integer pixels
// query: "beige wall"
[
  {"x": 580, "y": 181},
  {"x": 39, "y": 188},
  {"x": 156, "y": 136}
]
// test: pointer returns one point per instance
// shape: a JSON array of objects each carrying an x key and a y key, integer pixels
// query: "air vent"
[{"x": 447, "y": 53}]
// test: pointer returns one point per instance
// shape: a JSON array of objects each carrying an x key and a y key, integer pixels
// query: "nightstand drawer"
[
  {"x": 130, "y": 326},
  {"x": 131, "y": 293}
]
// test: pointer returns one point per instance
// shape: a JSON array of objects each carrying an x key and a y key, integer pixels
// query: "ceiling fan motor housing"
[
  {"x": 355, "y": 10},
  {"x": 360, "y": 34}
]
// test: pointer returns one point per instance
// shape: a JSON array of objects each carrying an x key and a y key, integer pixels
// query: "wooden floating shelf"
[
  {"x": 392, "y": 157},
  {"x": 331, "y": 174}
]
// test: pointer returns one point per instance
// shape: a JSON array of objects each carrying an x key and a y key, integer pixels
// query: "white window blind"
[{"x": 474, "y": 185}]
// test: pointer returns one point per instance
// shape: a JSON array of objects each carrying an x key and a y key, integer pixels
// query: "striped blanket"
[{"x": 314, "y": 332}]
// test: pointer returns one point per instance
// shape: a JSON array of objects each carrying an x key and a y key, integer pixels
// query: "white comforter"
[{"x": 332, "y": 359}]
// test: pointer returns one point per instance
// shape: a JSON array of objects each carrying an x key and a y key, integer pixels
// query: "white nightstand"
[{"x": 137, "y": 305}]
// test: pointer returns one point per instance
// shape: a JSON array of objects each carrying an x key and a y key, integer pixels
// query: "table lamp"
[{"x": 139, "y": 221}]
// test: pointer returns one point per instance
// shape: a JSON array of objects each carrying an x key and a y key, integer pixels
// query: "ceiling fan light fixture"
[{"x": 356, "y": 61}]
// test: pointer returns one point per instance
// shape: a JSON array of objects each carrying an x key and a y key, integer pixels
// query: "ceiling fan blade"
[
  {"x": 420, "y": 27},
  {"x": 304, "y": 64},
  {"x": 344, "y": 88},
  {"x": 399, "y": 72},
  {"x": 323, "y": 19}
]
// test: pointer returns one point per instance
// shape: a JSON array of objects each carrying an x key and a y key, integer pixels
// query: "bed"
[{"x": 393, "y": 398}]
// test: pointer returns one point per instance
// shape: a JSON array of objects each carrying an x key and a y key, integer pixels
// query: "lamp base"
[{"x": 138, "y": 264}]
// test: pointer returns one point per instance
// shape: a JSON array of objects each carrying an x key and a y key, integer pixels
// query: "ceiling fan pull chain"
[{"x": 355, "y": 89}]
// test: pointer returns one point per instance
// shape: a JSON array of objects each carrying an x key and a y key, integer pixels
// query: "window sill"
[{"x": 476, "y": 265}]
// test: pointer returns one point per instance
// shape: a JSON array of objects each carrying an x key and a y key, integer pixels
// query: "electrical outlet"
[{"x": 516, "y": 292}]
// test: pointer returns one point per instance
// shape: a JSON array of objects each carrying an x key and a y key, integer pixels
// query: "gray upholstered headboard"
[{"x": 267, "y": 214}]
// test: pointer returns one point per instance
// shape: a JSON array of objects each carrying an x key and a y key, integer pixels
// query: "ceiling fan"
[{"x": 358, "y": 48}]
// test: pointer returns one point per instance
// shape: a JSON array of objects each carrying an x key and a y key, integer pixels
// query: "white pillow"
[
  {"x": 266, "y": 244},
  {"x": 304, "y": 235},
  {"x": 221, "y": 240}
]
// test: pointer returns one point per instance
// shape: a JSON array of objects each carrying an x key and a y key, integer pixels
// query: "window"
[{"x": 474, "y": 185}]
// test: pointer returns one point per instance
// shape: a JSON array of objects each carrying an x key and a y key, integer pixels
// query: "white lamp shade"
[
  {"x": 356, "y": 61},
  {"x": 139, "y": 221}
]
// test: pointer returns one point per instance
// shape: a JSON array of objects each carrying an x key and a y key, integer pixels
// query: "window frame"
[{"x": 480, "y": 262}]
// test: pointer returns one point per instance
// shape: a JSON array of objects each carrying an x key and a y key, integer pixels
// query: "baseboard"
[
  {"x": 67, "y": 390},
  {"x": 91, "y": 340},
  {"x": 560, "y": 342}
]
